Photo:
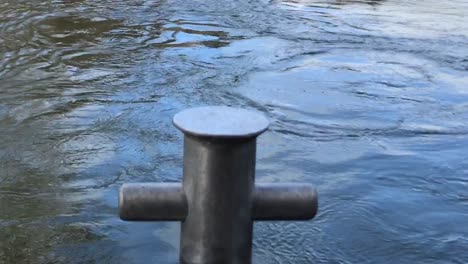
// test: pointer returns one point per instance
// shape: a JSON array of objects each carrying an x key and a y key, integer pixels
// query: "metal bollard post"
[{"x": 218, "y": 199}]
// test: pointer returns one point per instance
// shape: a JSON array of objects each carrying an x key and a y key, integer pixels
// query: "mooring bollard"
[{"x": 218, "y": 199}]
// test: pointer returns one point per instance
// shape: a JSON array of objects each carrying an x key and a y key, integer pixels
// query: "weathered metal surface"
[
  {"x": 166, "y": 201},
  {"x": 221, "y": 122},
  {"x": 152, "y": 202},
  {"x": 284, "y": 201},
  {"x": 218, "y": 181},
  {"x": 218, "y": 199}
]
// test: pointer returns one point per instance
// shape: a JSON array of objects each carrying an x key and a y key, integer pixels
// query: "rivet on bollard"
[{"x": 218, "y": 199}]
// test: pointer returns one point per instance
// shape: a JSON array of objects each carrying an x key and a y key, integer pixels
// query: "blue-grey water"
[{"x": 368, "y": 100}]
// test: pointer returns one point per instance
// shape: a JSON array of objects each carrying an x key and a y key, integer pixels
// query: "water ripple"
[{"x": 367, "y": 100}]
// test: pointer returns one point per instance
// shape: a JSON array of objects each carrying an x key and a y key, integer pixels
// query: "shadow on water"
[{"x": 369, "y": 106}]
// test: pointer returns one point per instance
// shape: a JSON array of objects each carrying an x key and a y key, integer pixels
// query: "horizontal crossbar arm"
[
  {"x": 152, "y": 202},
  {"x": 284, "y": 201},
  {"x": 167, "y": 202}
]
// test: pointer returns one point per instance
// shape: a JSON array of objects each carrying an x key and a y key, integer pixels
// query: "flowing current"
[{"x": 368, "y": 100}]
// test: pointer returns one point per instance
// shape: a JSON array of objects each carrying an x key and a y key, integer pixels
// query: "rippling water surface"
[{"x": 368, "y": 100}]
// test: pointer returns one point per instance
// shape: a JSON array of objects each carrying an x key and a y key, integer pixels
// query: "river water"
[{"x": 368, "y": 100}]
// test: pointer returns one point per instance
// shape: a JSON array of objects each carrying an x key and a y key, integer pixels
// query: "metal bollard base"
[{"x": 218, "y": 199}]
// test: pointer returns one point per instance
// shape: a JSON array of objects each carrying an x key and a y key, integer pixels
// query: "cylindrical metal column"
[{"x": 218, "y": 180}]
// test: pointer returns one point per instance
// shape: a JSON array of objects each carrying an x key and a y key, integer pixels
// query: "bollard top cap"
[{"x": 221, "y": 122}]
